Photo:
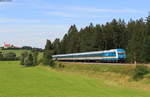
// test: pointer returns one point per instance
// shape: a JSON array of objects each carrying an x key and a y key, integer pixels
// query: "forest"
[{"x": 133, "y": 36}]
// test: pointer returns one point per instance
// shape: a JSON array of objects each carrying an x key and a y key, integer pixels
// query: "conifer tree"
[
  {"x": 132, "y": 36},
  {"x": 48, "y": 52},
  {"x": 146, "y": 44},
  {"x": 135, "y": 43},
  {"x": 57, "y": 46},
  {"x": 64, "y": 44},
  {"x": 146, "y": 50},
  {"x": 72, "y": 46}
]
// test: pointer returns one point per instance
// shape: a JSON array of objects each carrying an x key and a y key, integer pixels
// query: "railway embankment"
[{"x": 117, "y": 74}]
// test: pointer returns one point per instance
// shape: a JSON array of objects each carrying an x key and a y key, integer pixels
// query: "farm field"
[{"x": 40, "y": 81}]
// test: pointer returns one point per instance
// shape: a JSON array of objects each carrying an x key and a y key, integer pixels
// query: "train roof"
[
  {"x": 93, "y": 52},
  {"x": 120, "y": 50}
]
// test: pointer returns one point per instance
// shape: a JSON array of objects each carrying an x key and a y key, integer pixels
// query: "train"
[{"x": 113, "y": 55}]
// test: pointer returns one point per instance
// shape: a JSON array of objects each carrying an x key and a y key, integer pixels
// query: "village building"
[{"x": 9, "y": 46}]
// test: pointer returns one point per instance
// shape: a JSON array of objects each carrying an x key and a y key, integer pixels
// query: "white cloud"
[
  {"x": 15, "y": 20},
  {"x": 34, "y": 35},
  {"x": 7, "y": 20},
  {"x": 86, "y": 12},
  {"x": 92, "y": 9},
  {"x": 21, "y": 4},
  {"x": 27, "y": 34},
  {"x": 34, "y": 28},
  {"x": 70, "y": 15},
  {"x": 60, "y": 14},
  {"x": 8, "y": 4}
]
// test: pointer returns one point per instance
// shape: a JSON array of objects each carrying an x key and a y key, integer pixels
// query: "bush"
[
  {"x": 61, "y": 65},
  {"x": 49, "y": 62},
  {"x": 23, "y": 56},
  {"x": 47, "y": 58},
  {"x": 1, "y": 56},
  {"x": 140, "y": 71},
  {"x": 147, "y": 76},
  {"x": 9, "y": 56},
  {"x": 40, "y": 60},
  {"x": 28, "y": 61},
  {"x": 52, "y": 63}
]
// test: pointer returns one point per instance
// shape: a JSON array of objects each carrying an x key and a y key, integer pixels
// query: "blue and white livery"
[{"x": 114, "y": 55}]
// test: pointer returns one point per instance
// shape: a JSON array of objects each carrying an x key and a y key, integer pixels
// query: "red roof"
[
  {"x": 16, "y": 47},
  {"x": 7, "y": 45}
]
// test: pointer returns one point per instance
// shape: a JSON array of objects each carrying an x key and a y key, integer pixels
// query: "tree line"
[
  {"x": 23, "y": 48},
  {"x": 133, "y": 36},
  {"x": 8, "y": 56}
]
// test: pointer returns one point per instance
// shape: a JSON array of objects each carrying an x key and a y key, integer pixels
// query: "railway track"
[{"x": 101, "y": 63}]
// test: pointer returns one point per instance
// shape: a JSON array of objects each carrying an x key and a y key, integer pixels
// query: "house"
[{"x": 8, "y": 46}]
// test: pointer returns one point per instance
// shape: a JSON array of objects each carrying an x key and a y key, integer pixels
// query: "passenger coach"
[{"x": 114, "y": 55}]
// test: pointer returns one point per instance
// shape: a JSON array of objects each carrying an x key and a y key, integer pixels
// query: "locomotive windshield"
[{"x": 121, "y": 54}]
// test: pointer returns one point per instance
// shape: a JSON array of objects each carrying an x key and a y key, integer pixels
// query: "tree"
[
  {"x": 132, "y": 36},
  {"x": 9, "y": 56},
  {"x": 56, "y": 46},
  {"x": 99, "y": 38},
  {"x": 72, "y": 40},
  {"x": 88, "y": 39},
  {"x": 29, "y": 60},
  {"x": 148, "y": 25},
  {"x": 146, "y": 50},
  {"x": 47, "y": 57},
  {"x": 137, "y": 28},
  {"x": 48, "y": 52},
  {"x": 1, "y": 56},
  {"x": 35, "y": 57},
  {"x": 23, "y": 56},
  {"x": 64, "y": 43},
  {"x": 48, "y": 45},
  {"x": 146, "y": 44},
  {"x": 118, "y": 33}
]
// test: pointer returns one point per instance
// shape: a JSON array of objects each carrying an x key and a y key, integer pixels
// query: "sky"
[{"x": 32, "y": 22}]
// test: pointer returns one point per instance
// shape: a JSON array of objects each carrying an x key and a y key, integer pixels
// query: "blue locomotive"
[{"x": 114, "y": 55}]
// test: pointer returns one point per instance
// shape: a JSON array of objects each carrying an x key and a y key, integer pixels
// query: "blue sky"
[{"x": 31, "y": 22}]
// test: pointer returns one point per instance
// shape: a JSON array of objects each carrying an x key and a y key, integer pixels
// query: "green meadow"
[{"x": 40, "y": 81}]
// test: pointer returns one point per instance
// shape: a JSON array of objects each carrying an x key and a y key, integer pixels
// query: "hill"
[{"x": 18, "y": 81}]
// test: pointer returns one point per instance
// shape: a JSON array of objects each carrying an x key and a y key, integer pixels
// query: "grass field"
[{"x": 18, "y": 81}]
